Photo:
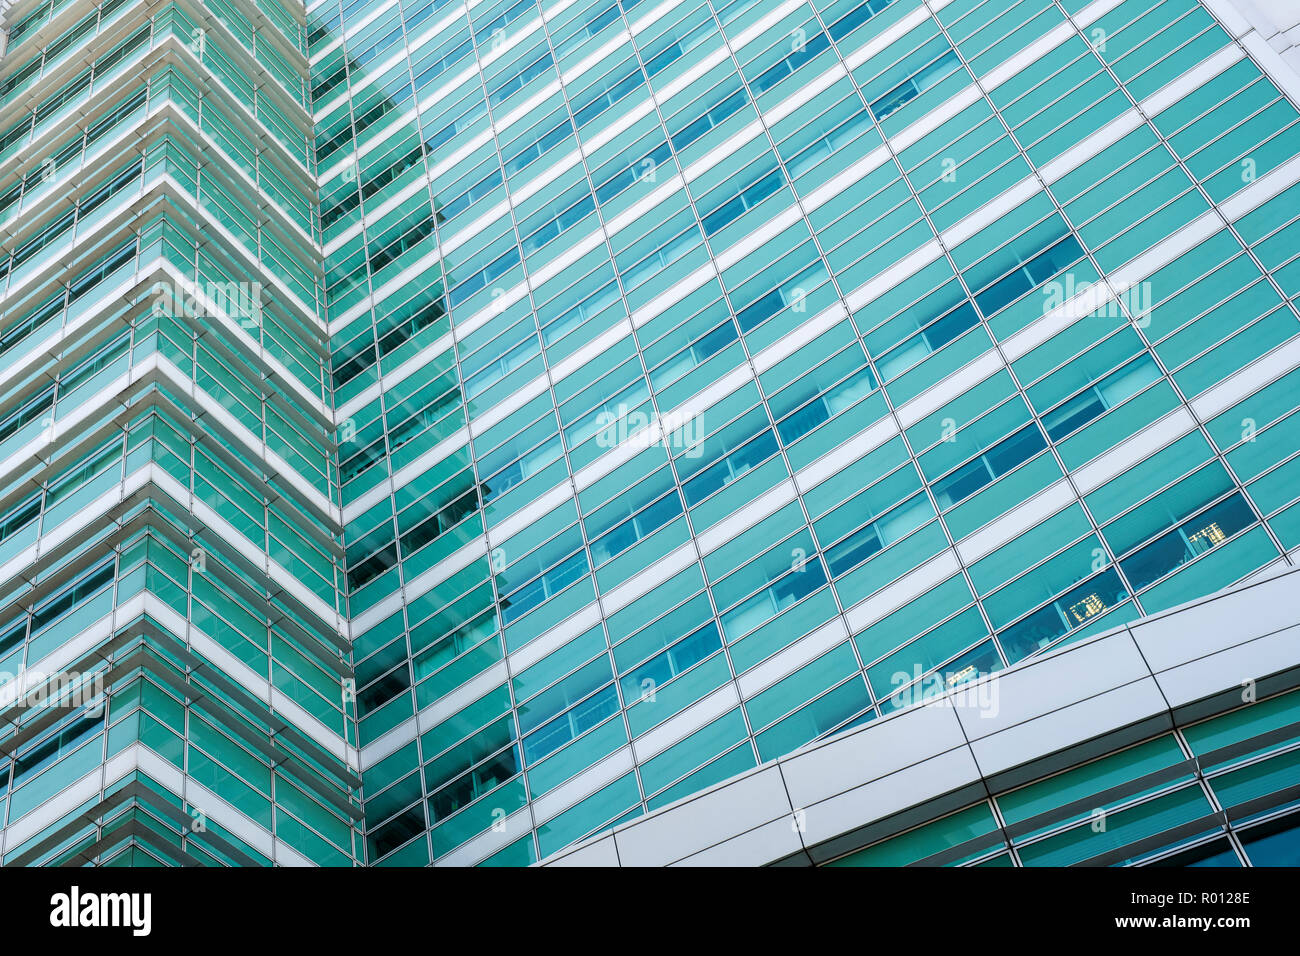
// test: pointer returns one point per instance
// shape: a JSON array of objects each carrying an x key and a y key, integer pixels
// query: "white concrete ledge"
[{"x": 1097, "y": 694}]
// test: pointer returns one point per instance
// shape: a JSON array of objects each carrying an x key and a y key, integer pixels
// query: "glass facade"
[
  {"x": 174, "y": 639},
  {"x": 516, "y": 416}
]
